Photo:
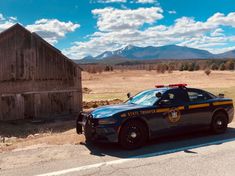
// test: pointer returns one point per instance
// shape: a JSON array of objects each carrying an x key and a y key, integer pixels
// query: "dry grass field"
[
  {"x": 110, "y": 86},
  {"x": 115, "y": 85}
]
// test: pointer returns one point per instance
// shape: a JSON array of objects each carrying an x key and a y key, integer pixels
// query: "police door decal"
[{"x": 174, "y": 115}]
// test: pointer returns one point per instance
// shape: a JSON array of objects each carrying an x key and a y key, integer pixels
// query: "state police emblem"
[{"x": 174, "y": 115}]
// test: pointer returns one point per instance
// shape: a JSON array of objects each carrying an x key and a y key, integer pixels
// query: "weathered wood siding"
[{"x": 36, "y": 79}]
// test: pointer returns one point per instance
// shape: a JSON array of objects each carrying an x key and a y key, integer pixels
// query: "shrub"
[
  {"x": 197, "y": 67},
  {"x": 222, "y": 67},
  {"x": 186, "y": 66},
  {"x": 191, "y": 67},
  {"x": 207, "y": 71},
  {"x": 181, "y": 67},
  {"x": 108, "y": 68},
  {"x": 214, "y": 66},
  {"x": 161, "y": 68},
  {"x": 229, "y": 65}
]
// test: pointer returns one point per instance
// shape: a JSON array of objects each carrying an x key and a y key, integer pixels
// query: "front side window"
[
  {"x": 176, "y": 96},
  {"x": 145, "y": 98}
]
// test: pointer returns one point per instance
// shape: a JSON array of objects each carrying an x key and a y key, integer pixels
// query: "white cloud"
[
  {"x": 111, "y": 1},
  {"x": 116, "y": 32},
  {"x": 217, "y": 32},
  {"x": 13, "y": 18},
  {"x": 221, "y": 19},
  {"x": 5, "y": 22},
  {"x": 172, "y": 12},
  {"x": 125, "y": 1},
  {"x": 52, "y": 29},
  {"x": 110, "y": 19},
  {"x": 1, "y": 17},
  {"x": 220, "y": 50},
  {"x": 145, "y": 1}
]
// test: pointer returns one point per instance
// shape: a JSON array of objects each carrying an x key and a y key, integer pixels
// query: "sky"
[{"x": 80, "y": 28}]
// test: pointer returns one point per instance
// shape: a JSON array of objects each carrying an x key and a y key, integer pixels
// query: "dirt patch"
[
  {"x": 25, "y": 128},
  {"x": 25, "y": 133},
  {"x": 68, "y": 137}
]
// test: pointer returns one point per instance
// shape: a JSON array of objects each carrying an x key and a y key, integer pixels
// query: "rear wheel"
[
  {"x": 133, "y": 135},
  {"x": 219, "y": 123}
]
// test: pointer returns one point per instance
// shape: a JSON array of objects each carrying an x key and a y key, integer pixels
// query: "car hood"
[{"x": 110, "y": 110}]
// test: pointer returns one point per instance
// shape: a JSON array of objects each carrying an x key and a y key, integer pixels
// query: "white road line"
[
  {"x": 121, "y": 161},
  {"x": 87, "y": 167}
]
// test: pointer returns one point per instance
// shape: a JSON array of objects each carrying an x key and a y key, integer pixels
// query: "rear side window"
[{"x": 196, "y": 95}]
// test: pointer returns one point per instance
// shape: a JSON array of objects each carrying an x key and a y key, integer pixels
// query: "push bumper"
[{"x": 93, "y": 132}]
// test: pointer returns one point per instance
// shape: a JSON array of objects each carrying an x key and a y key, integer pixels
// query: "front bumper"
[{"x": 93, "y": 131}]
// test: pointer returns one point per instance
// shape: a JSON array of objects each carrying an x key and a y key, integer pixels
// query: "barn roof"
[{"x": 20, "y": 27}]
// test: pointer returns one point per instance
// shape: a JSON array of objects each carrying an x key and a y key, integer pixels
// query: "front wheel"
[
  {"x": 133, "y": 135},
  {"x": 219, "y": 123}
]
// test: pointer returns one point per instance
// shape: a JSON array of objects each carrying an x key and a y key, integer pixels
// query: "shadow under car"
[{"x": 164, "y": 145}]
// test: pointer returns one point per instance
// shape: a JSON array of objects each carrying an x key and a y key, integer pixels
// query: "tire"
[
  {"x": 133, "y": 135},
  {"x": 219, "y": 123}
]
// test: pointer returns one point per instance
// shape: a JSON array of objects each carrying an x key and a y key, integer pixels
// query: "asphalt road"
[{"x": 198, "y": 153}]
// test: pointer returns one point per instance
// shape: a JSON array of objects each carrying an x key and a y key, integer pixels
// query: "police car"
[{"x": 156, "y": 112}]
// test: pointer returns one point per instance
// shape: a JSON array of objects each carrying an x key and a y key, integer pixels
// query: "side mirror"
[
  {"x": 128, "y": 95},
  {"x": 158, "y": 95},
  {"x": 221, "y": 95}
]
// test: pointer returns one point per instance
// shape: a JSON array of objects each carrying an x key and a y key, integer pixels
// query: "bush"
[
  {"x": 197, "y": 67},
  {"x": 222, "y": 67},
  {"x": 229, "y": 65},
  {"x": 108, "y": 68},
  {"x": 214, "y": 66},
  {"x": 161, "y": 68},
  {"x": 181, "y": 67},
  {"x": 186, "y": 66},
  {"x": 191, "y": 67},
  {"x": 207, "y": 71},
  {"x": 171, "y": 67}
]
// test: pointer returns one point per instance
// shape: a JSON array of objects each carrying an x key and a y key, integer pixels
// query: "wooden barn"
[{"x": 36, "y": 79}]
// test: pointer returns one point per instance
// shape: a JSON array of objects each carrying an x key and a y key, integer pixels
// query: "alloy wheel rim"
[{"x": 133, "y": 135}]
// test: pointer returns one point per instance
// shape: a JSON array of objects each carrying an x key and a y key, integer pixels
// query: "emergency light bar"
[
  {"x": 171, "y": 85},
  {"x": 177, "y": 85},
  {"x": 159, "y": 86}
]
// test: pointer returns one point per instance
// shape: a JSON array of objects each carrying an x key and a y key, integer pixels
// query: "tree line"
[{"x": 162, "y": 66}]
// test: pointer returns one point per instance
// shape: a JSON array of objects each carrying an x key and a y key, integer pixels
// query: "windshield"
[{"x": 145, "y": 98}]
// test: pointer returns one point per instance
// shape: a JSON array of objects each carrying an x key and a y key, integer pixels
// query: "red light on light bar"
[
  {"x": 177, "y": 85},
  {"x": 159, "y": 86}
]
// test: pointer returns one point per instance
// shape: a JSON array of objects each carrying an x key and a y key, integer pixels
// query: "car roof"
[{"x": 163, "y": 89}]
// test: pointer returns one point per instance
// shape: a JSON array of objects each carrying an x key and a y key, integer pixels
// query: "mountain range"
[{"x": 135, "y": 53}]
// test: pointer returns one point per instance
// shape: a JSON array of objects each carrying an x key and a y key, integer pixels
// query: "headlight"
[{"x": 107, "y": 121}]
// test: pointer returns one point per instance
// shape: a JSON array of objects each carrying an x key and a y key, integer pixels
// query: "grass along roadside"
[{"x": 229, "y": 93}]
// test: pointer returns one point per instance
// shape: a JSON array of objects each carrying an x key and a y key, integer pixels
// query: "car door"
[
  {"x": 198, "y": 108},
  {"x": 171, "y": 109}
]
